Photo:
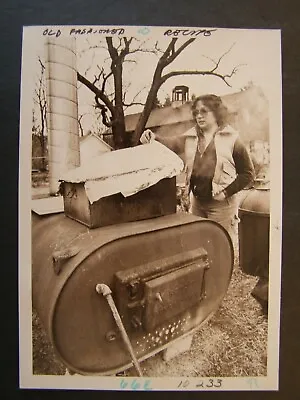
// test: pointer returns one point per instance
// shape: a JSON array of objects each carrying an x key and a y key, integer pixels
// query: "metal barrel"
[
  {"x": 167, "y": 276},
  {"x": 254, "y": 226}
]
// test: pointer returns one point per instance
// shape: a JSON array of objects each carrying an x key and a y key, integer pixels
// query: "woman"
[{"x": 217, "y": 163}]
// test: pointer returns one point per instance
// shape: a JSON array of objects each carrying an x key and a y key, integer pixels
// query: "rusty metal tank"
[
  {"x": 254, "y": 227},
  {"x": 167, "y": 276}
]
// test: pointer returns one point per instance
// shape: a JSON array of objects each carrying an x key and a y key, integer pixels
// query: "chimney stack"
[{"x": 62, "y": 108}]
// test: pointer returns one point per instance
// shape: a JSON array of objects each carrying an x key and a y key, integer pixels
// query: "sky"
[{"x": 253, "y": 51}]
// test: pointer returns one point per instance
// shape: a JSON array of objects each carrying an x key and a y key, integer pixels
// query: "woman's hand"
[
  {"x": 219, "y": 196},
  {"x": 147, "y": 137}
]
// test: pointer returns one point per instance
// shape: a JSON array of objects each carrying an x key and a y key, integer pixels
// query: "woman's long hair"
[{"x": 213, "y": 103}]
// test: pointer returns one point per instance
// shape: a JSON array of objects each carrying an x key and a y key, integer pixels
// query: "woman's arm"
[
  {"x": 244, "y": 169},
  {"x": 174, "y": 143}
]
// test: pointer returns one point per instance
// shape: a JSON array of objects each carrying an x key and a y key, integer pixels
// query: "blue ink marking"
[
  {"x": 135, "y": 385},
  {"x": 123, "y": 384},
  {"x": 252, "y": 382},
  {"x": 144, "y": 31}
]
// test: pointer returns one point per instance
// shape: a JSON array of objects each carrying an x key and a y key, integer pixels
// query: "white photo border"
[{"x": 27, "y": 379}]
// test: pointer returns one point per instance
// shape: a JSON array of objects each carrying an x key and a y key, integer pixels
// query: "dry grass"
[{"x": 45, "y": 361}]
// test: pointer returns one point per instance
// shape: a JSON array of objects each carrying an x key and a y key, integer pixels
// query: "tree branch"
[
  {"x": 176, "y": 73},
  {"x": 105, "y": 77},
  {"x": 91, "y": 63},
  {"x": 92, "y": 48},
  {"x": 133, "y": 104},
  {"x": 170, "y": 47},
  {"x": 97, "y": 92},
  {"x": 157, "y": 49},
  {"x": 103, "y": 109},
  {"x": 211, "y": 72},
  {"x": 80, "y": 125},
  {"x": 97, "y": 78},
  {"x": 217, "y": 63},
  {"x": 170, "y": 53},
  {"x": 112, "y": 51},
  {"x": 133, "y": 100},
  {"x": 176, "y": 53},
  {"x": 140, "y": 50}
]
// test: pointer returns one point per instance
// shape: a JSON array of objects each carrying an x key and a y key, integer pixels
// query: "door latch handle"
[{"x": 59, "y": 257}]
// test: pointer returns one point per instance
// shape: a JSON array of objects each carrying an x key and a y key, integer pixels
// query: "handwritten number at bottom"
[
  {"x": 211, "y": 383},
  {"x": 135, "y": 385}
]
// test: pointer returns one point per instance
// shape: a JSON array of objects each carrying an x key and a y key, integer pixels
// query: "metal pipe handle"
[{"x": 103, "y": 289}]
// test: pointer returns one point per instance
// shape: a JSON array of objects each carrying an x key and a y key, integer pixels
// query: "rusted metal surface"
[
  {"x": 172, "y": 294},
  {"x": 155, "y": 292},
  {"x": 155, "y": 201},
  {"x": 169, "y": 253},
  {"x": 254, "y": 232}
]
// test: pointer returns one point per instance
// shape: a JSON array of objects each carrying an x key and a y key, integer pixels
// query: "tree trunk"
[
  {"x": 42, "y": 137},
  {"x": 118, "y": 123},
  {"x": 141, "y": 124},
  {"x": 43, "y": 145},
  {"x": 118, "y": 130}
]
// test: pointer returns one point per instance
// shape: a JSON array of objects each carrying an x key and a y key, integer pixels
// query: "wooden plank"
[{"x": 48, "y": 205}]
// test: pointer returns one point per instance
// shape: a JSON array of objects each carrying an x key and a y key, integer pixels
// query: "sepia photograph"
[{"x": 150, "y": 208}]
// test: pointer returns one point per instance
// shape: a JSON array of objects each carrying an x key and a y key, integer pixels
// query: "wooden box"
[{"x": 155, "y": 201}]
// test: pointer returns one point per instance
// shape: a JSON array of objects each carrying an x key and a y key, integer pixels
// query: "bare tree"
[
  {"x": 116, "y": 107},
  {"x": 167, "y": 101},
  {"x": 81, "y": 131},
  {"x": 39, "y": 124},
  {"x": 112, "y": 109}
]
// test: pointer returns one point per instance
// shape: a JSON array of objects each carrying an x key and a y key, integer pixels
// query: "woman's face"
[{"x": 204, "y": 117}]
